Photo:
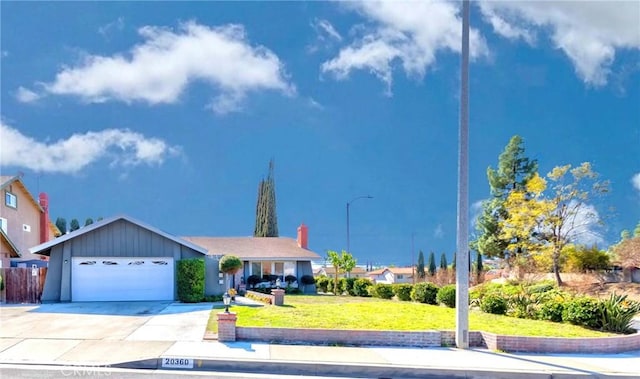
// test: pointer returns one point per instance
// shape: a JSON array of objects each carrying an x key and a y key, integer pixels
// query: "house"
[
  {"x": 118, "y": 259},
  {"x": 122, "y": 259},
  {"x": 392, "y": 275},
  {"x": 264, "y": 256},
  {"x": 24, "y": 222},
  {"x": 357, "y": 272}
]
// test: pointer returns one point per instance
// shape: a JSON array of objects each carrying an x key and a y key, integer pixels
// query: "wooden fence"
[{"x": 23, "y": 285}]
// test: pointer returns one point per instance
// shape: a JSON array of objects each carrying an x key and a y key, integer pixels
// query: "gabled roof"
[
  {"x": 258, "y": 248},
  {"x": 45, "y": 248},
  {"x": 5, "y": 181},
  {"x": 394, "y": 271},
  {"x": 15, "y": 253}
]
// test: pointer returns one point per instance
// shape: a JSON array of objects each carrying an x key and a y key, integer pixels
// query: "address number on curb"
[{"x": 177, "y": 363}]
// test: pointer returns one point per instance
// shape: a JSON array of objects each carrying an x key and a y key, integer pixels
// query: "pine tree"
[
  {"x": 74, "y": 225},
  {"x": 61, "y": 224},
  {"x": 88, "y": 221},
  {"x": 432, "y": 264},
  {"x": 453, "y": 264},
  {"x": 420, "y": 268},
  {"x": 266, "y": 218},
  {"x": 513, "y": 171},
  {"x": 443, "y": 261}
]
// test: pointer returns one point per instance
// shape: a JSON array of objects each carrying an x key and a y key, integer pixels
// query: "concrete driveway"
[{"x": 69, "y": 331}]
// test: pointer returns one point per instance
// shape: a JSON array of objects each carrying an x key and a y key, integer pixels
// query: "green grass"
[{"x": 345, "y": 312}]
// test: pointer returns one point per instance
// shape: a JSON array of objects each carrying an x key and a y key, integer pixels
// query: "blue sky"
[{"x": 170, "y": 112}]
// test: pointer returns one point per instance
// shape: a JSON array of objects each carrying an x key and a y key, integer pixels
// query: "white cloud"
[
  {"x": 25, "y": 95},
  {"x": 438, "y": 232},
  {"x": 121, "y": 146},
  {"x": 588, "y": 32},
  {"x": 158, "y": 70},
  {"x": 407, "y": 32},
  {"x": 635, "y": 181},
  {"x": 583, "y": 226},
  {"x": 325, "y": 27},
  {"x": 107, "y": 29}
]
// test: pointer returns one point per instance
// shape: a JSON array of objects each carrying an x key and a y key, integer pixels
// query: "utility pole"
[{"x": 462, "y": 242}]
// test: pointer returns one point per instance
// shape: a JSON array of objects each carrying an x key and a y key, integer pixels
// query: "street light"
[{"x": 348, "y": 205}]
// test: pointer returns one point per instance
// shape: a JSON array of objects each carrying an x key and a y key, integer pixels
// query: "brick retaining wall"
[{"x": 614, "y": 344}]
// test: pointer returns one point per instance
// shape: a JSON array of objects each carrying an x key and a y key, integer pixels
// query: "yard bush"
[
  {"x": 616, "y": 313},
  {"x": 403, "y": 291},
  {"x": 229, "y": 264},
  {"x": 307, "y": 280},
  {"x": 425, "y": 293},
  {"x": 361, "y": 287},
  {"x": 253, "y": 280},
  {"x": 322, "y": 282},
  {"x": 190, "y": 277},
  {"x": 582, "y": 311},
  {"x": 447, "y": 295},
  {"x": 348, "y": 284},
  {"x": 551, "y": 309},
  {"x": 342, "y": 286},
  {"x": 494, "y": 304},
  {"x": 289, "y": 279},
  {"x": 382, "y": 290}
]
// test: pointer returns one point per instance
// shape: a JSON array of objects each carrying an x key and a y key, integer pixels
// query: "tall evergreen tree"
[
  {"x": 432, "y": 264},
  {"x": 420, "y": 268},
  {"x": 88, "y": 221},
  {"x": 443, "y": 261},
  {"x": 74, "y": 225},
  {"x": 479, "y": 265},
  {"x": 453, "y": 264},
  {"x": 513, "y": 171},
  {"x": 266, "y": 218},
  {"x": 61, "y": 224}
]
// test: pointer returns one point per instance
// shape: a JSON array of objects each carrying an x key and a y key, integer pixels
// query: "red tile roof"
[{"x": 247, "y": 248}]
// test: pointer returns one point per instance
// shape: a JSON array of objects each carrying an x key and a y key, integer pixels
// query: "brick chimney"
[
  {"x": 43, "y": 199},
  {"x": 303, "y": 236}
]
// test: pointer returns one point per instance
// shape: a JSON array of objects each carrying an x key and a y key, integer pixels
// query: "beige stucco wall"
[{"x": 27, "y": 213}]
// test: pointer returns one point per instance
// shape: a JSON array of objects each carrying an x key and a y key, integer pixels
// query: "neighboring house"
[
  {"x": 118, "y": 259},
  {"x": 357, "y": 272},
  {"x": 392, "y": 275},
  {"x": 263, "y": 256},
  {"x": 24, "y": 223}
]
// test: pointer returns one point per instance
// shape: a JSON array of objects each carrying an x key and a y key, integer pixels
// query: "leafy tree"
[
  {"x": 420, "y": 268},
  {"x": 74, "y": 225},
  {"x": 344, "y": 261},
  {"x": 88, "y": 221},
  {"x": 580, "y": 258},
  {"x": 61, "y": 224},
  {"x": 443, "y": 261},
  {"x": 513, "y": 171},
  {"x": 432, "y": 264},
  {"x": 570, "y": 216},
  {"x": 266, "y": 218}
]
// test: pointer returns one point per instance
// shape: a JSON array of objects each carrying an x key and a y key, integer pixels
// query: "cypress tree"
[
  {"x": 443, "y": 261},
  {"x": 432, "y": 264},
  {"x": 453, "y": 265},
  {"x": 266, "y": 218},
  {"x": 420, "y": 268}
]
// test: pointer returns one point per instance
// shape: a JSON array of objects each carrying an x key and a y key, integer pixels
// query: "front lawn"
[{"x": 346, "y": 312}]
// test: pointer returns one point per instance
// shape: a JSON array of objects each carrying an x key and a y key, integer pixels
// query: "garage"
[
  {"x": 122, "y": 279},
  {"x": 116, "y": 259}
]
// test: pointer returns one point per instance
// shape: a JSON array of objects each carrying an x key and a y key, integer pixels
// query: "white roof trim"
[{"x": 86, "y": 229}]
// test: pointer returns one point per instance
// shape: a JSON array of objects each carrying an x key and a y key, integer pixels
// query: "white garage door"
[{"x": 116, "y": 279}]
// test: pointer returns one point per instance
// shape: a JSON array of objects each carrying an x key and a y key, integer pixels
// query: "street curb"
[{"x": 355, "y": 370}]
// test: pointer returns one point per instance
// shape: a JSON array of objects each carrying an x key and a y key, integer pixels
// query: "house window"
[
  {"x": 399, "y": 276},
  {"x": 10, "y": 200},
  {"x": 289, "y": 268},
  {"x": 3, "y": 224},
  {"x": 256, "y": 269}
]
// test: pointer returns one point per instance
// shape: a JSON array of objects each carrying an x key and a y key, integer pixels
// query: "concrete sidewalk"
[{"x": 368, "y": 362}]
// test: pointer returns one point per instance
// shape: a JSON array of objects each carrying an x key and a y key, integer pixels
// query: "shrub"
[
  {"x": 290, "y": 279},
  {"x": 292, "y": 291},
  {"x": 382, "y": 290},
  {"x": 342, "y": 286},
  {"x": 551, "y": 309},
  {"x": 403, "y": 291},
  {"x": 190, "y": 277},
  {"x": 616, "y": 313},
  {"x": 424, "y": 293},
  {"x": 307, "y": 280},
  {"x": 252, "y": 280},
  {"x": 361, "y": 287},
  {"x": 230, "y": 264},
  {"x": 494, "y": 304},
  {"x": 322, "y": 282},
  {"x": 348, "y": 286},
  {"x": 523, "y": 305},
  {"x": 447, "y": 295},
  {"x": 582, "y": 311}
]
